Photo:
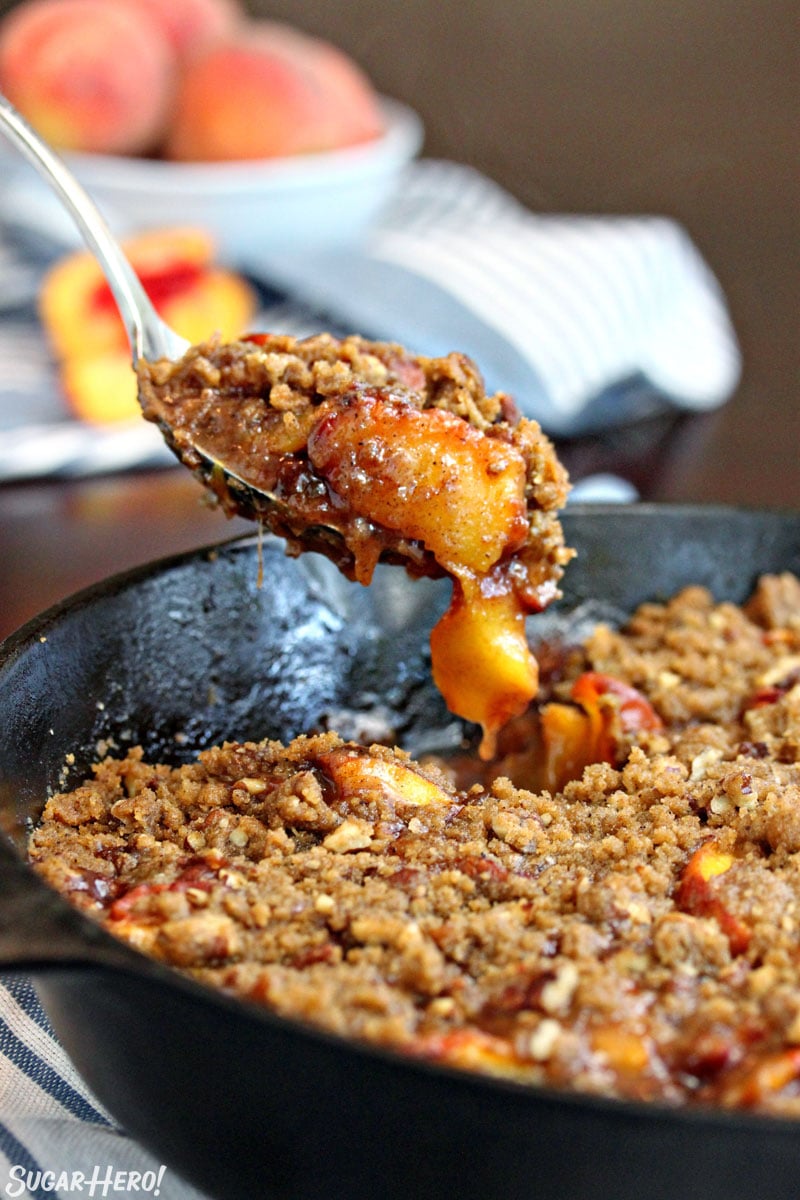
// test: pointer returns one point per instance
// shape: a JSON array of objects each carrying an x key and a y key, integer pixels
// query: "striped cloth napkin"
[
  {"x": 587, "y": 321},
  {"x": 56, "y": 1140}
]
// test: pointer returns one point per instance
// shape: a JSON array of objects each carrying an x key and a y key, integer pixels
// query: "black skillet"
[{"x": 245, "y": 1105}]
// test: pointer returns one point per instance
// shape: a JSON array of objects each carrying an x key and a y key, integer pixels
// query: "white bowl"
[{"x": 310, "y": 201}]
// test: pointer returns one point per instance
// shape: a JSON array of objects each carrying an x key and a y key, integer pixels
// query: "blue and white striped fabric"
[
  {"x": 587, "y": 321},
  {"x": 56, "y": 1141}
]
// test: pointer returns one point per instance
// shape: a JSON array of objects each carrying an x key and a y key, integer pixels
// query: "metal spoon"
[{"x": 150, "y": 338}]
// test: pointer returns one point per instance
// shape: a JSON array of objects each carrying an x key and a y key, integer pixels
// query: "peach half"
[
  {"x": 176, "y": 269},
  {"x": 268, "y": 91},
  {"x": 88, "y": 75}
]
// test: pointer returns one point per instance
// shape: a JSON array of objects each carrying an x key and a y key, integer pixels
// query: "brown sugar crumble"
[
  {"x": 633, "y": 931},
  {"x": 256, "y": 405}
]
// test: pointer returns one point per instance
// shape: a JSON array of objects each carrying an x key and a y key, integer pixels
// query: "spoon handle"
[{"x": 149, "y": 337}]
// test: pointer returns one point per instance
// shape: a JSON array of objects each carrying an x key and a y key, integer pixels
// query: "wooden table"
[{"x": 57, "y": 536}]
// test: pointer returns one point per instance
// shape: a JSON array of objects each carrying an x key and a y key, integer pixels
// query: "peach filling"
[{"x": 436, "y": 479}]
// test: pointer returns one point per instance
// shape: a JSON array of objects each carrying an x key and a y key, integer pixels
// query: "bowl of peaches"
[{"x": 192, "y": 111}]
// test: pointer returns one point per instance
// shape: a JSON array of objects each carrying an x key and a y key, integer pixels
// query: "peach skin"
[
  {"x": 270, "y": 91},
  {"x": 192, "y": 25},
  {"x": 86, "y": 333},
  {"x": 88, "y": 75}
]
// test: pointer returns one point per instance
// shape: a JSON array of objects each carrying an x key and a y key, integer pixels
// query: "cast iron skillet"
[{"x": 189, "y": 651}]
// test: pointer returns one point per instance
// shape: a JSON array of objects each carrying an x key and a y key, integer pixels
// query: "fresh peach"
[
  {"x": 100, "y": 389},
  {"x": 76, "y": 305},
  {"x": 86, "y": 333},
  {"x": 353, "y": 104},
  {"x": 193, "y": 25},
  {"x": 269, "y": 90},
  {"x": 87, "y": 74}
]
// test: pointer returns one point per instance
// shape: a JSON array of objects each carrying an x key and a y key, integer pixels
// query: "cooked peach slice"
[
  {"x": 358, "y": 776},
  {"x": 605, "y": 712},
  {"x": 696, "y": 893},
  {"x": 567, "y": 745},
  {"x": 482, "y": 663},
  {"x": 708, "y": 861},
  {"x": 624, "y": 1051},
  {"x": 462, "y": 494},
  {"x": 427, "y": 473},
  {"x": 471, "y": 1049},
  {"x": 760, "y": 1078},
  {"x": 615, "y": 707}
]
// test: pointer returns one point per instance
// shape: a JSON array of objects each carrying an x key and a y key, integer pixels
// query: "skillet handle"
[{"x": 40, "y": 931}]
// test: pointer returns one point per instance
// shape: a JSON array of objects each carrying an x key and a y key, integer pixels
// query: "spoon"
[{"x": 150, "y": 338}]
